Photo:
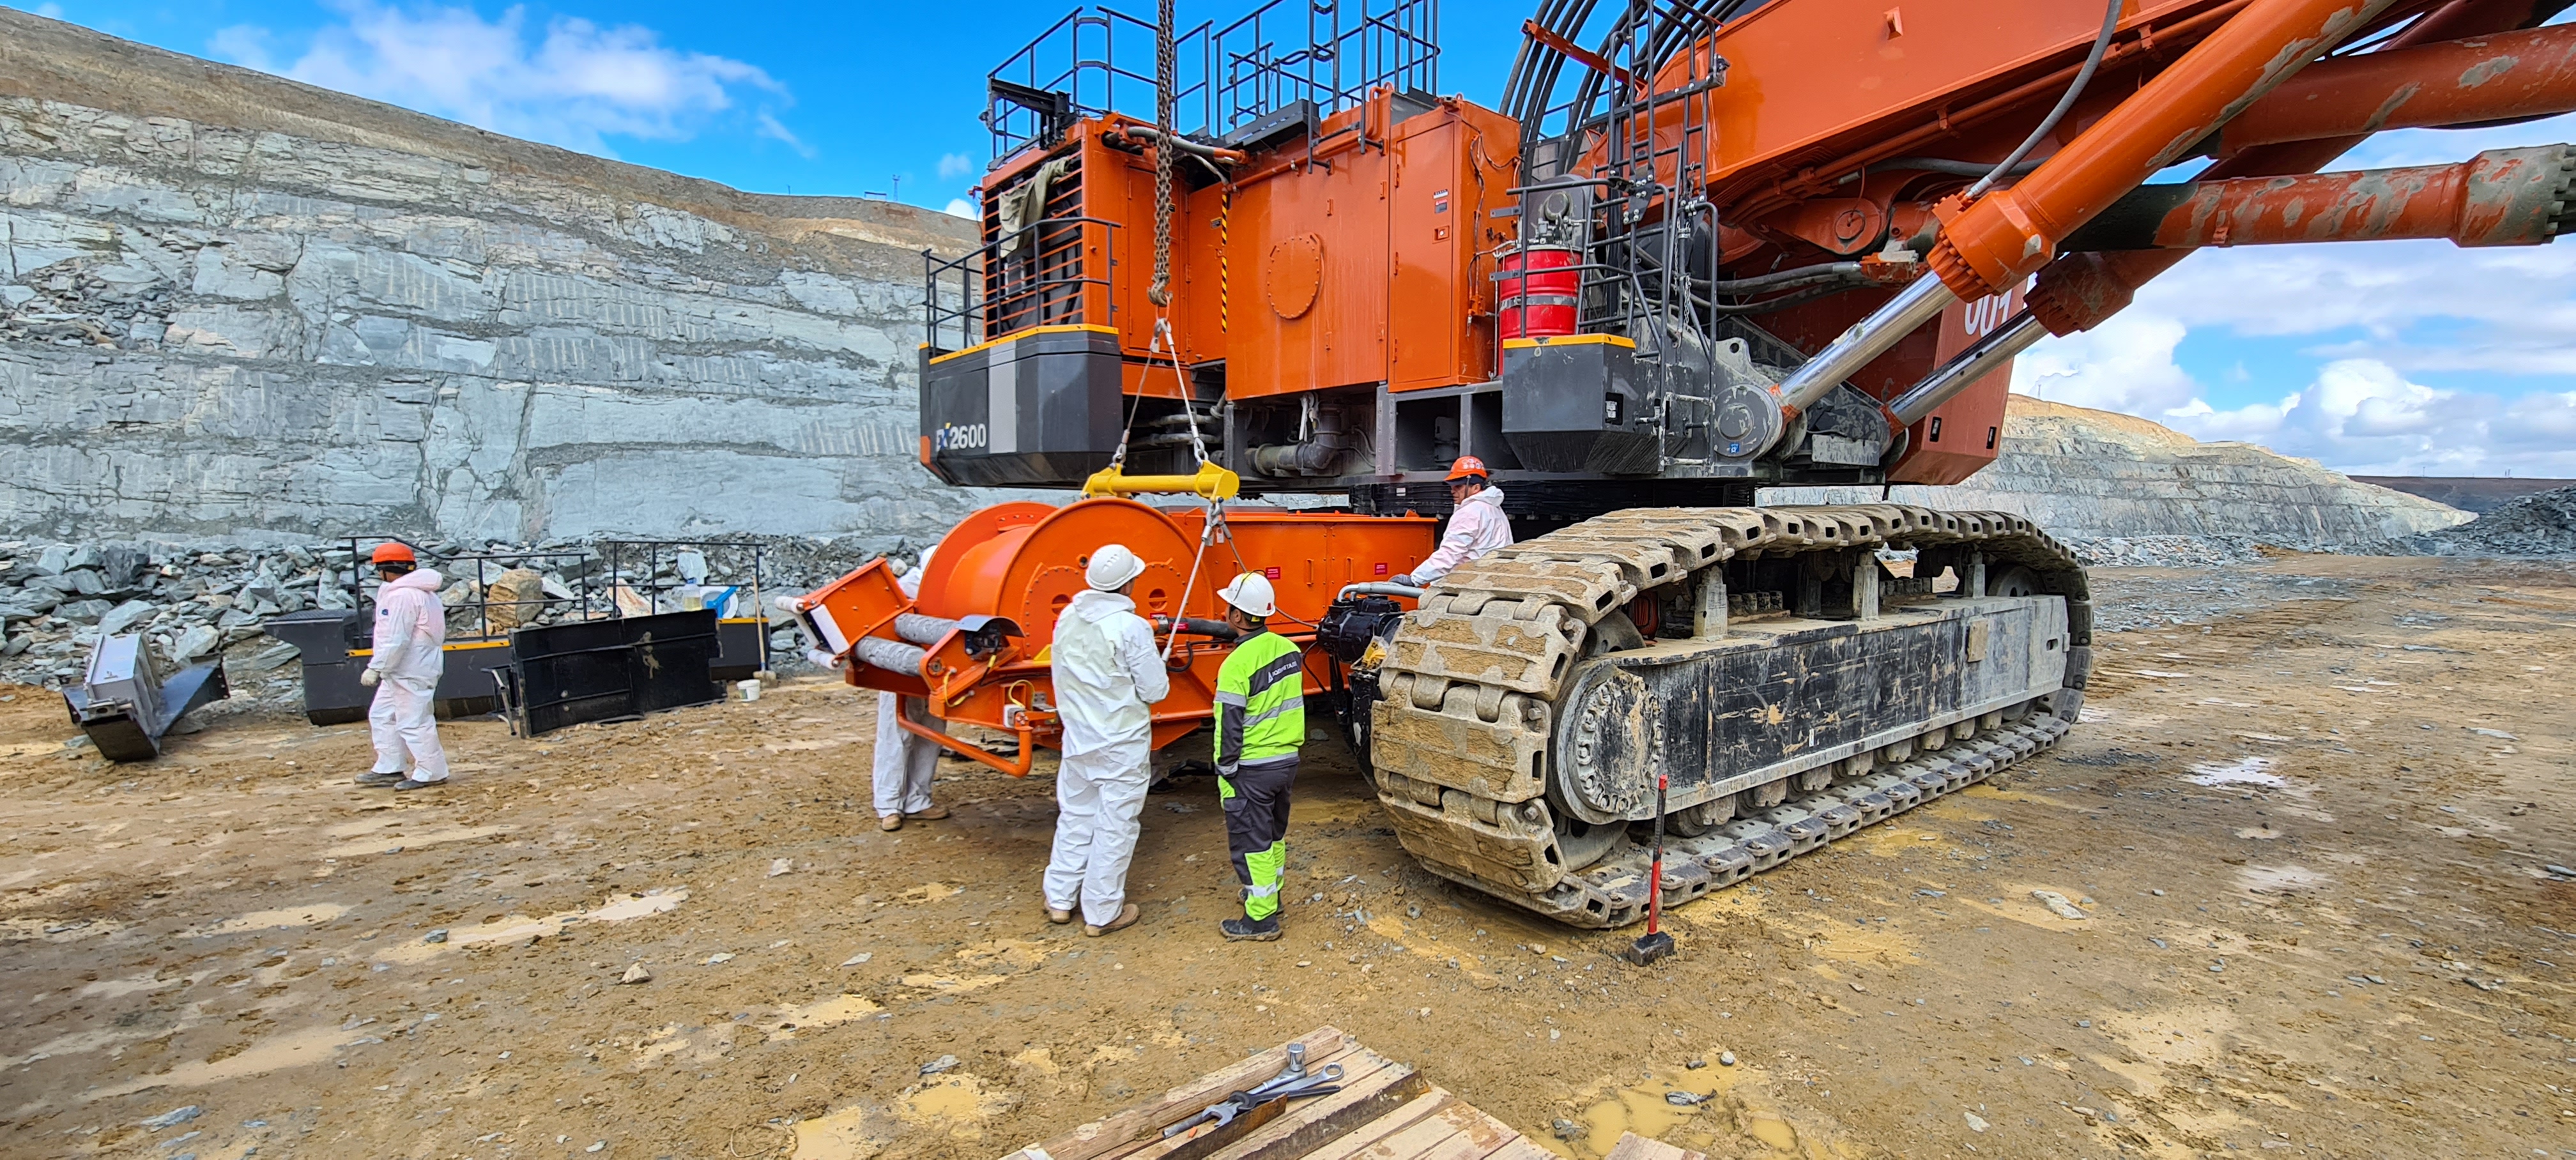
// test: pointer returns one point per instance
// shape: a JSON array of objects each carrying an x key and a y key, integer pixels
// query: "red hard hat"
[
  {"x": 1468, "y": 466},
  {"x": 393, "y": 550}
]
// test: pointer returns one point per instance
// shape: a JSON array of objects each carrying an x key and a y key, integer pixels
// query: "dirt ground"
[{"x": 2307, "y": 829}]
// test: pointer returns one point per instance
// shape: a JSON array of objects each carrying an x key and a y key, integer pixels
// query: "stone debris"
[
  {"x": 2212, "y": 551},
  {"x": 2107, "y": 485},
  {"x": 2205, "y": 595},
  {"x": 173, "y": 1118},
  {"x": 2541, "y": 525},
  {"x": 2057, "y": 904},
  {"x": 636, "y": 974},
  {"x": 194, "y": 601},
  {"x": 1976, "y": 1123},
  {"x": 941, "y": 1064}
]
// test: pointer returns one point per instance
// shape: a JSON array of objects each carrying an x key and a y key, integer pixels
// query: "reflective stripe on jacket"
[{"x": 1260, "y": 702}]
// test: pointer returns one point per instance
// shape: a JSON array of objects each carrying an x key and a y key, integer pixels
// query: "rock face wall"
[
  {"x": 2476, "y": 495},
  {"x": 2094, "y": 475},
  {"x": 236, "y": 307}
]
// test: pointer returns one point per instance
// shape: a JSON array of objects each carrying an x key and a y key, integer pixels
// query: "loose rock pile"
[
  {"x": 192, "y": 603},
  {"x": 2542, "y": 524},
  {"x": 2211, "y": 551}
]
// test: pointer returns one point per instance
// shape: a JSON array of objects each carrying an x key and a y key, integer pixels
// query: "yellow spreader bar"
[{"x": 1211, "y": 482}]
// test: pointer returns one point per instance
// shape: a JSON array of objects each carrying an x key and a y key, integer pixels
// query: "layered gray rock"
[
  {"x": 2542, "y": 524},
  {"x": 234, "y": 307},
  {"x": 2087, "y": 475}
]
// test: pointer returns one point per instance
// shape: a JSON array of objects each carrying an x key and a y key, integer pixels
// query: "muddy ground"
[{"x": 2307, "y": 828}]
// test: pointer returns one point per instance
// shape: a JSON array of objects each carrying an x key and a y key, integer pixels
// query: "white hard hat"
[
  {"x": 1112, "y": 567},
  {"x": 1251, "y": 593}
]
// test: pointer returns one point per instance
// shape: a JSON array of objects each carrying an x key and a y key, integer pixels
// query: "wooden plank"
[
  {"x": 1318, "y": 1122},
  {"x": 1363, "y": 1071},
  {"x": 1125, "y": 1131},
  {"x": 1416, "y": 1140},
  {"x": 1632, "y": 1146},
  {"x": 1478, "y": 1135},
  {"x": 1359, "y": 1140},
  {"x": 1522, "y": 1149}
]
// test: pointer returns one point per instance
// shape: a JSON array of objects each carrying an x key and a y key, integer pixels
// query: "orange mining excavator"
[{"x": 1699, "y": 247}]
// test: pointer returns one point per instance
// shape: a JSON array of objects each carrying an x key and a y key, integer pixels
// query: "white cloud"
[
  {"x": 50, "y": 11},
  {"x": 2379, "y": 316},
  {"x": 955, "y": 165},
  {"x": 770, "y": 127},
  {"x": 573, "y": 84},
  {"x": 2359, "y": 415},
  {"x": 963, "y": 208},
  {"x": 2125, "y": 364}
]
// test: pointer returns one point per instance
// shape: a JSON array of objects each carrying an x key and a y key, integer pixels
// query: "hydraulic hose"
[
  {"x": 1185, "y": 145},
  {"x": 1792, "y": 277},
  {"x": 1947, "y": 165},
  {"x": 2083, "y": 77}
]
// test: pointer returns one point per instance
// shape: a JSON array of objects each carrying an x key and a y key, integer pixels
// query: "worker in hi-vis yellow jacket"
[{"x": 1260, "y": 725}]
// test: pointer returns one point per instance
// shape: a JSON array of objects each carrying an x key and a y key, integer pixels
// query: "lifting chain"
[{"x": 1166, "y": 65}]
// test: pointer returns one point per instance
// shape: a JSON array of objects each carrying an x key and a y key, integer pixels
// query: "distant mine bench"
[{"x": 1385, "y": 1111}]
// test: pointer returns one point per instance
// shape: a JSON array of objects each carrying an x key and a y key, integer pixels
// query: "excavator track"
[{"x": 1485, "y": 748}]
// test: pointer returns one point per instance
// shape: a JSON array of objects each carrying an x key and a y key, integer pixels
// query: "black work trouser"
[{"x": 1256, "y": 829}]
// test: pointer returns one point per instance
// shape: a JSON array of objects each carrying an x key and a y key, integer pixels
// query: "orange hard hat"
[
  {"x": 1468, "y": 466},
  {"x": 391, "y": 551}
]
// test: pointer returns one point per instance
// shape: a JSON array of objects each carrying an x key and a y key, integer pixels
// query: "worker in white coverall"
[
  {"x": 410, "y": 653},
  {"x": 1477, "y": 524},
  {"x": 905, "y": 760},
  {"x": 1106, "y": 675}
]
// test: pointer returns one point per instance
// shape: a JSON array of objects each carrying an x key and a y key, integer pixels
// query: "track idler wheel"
[{"x": 1581, "y": 843}]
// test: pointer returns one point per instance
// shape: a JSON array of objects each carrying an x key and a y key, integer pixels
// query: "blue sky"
[{"x": 2398, "y": 357}]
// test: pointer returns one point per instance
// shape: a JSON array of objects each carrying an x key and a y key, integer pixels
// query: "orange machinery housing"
[
  {"x": 1343, "y": 258},
  {"x": 975, "y": 643},
  {"x": 1345, "y": 255}
]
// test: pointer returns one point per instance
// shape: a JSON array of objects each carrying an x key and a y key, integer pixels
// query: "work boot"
[
  {"x": 1126, "y": 918},
  {"x": 1251, "y": 929},
  {"x": 371, "y": 777},
  {"x": 890, "y": 823},
  {"x": 933, "y": 814},
  {"x": 408, "y": 783}
]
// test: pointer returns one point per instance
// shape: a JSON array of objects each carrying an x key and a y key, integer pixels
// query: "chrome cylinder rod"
[
  {"x": 1980, "y": 359},
  {"x": 1918, "y": 303}
]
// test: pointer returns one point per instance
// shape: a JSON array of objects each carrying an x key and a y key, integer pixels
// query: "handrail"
[{"x": 978, "y": 317}]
